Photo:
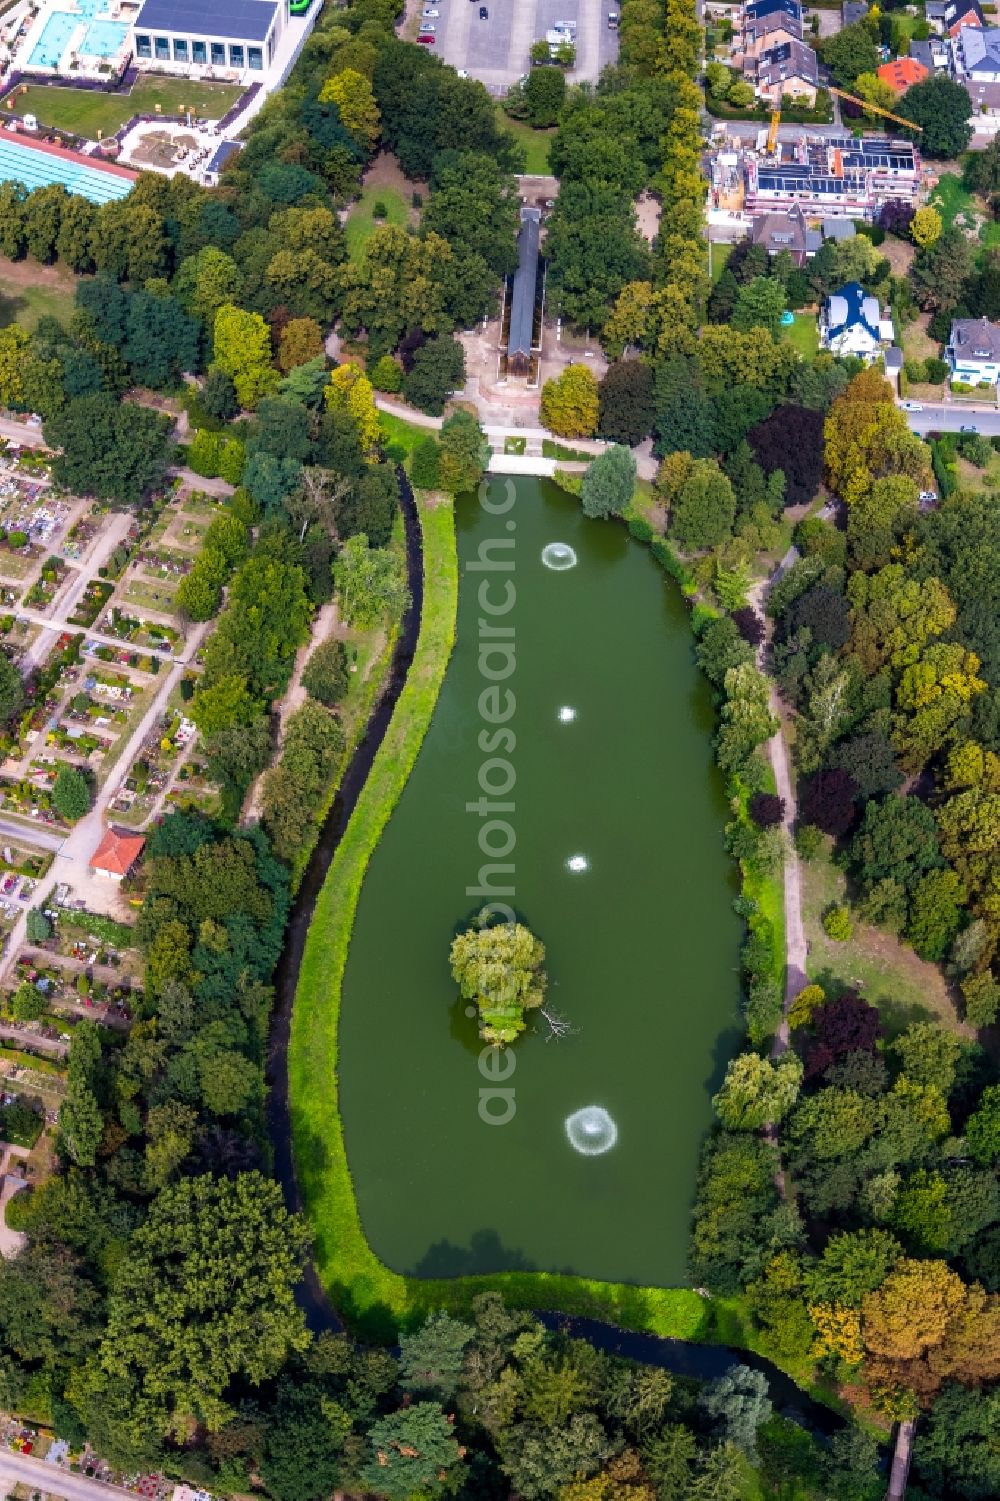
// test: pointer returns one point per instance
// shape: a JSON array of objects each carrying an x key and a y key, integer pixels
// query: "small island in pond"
[{"x": 498, "y": 965}]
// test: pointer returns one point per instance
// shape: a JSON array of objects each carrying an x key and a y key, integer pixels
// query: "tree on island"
[{"x": 499, "y": 967}]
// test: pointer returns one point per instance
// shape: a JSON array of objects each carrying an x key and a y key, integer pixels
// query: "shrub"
[
  {"x": 808, "y": 841},
  {"x": 385, "y": 375},
  {"x": 379, "y": 210},
  {"x": 204, "y": 453},
  {"x": 767, "y": 809},
  {"x": 837, "y": 924},
  {"x": 800, "y": 1013},
  {"x": 17, "y": 539},
  {"x": 18, "y": 1213},
  {"x": 935, "y": 371},
  {"x": 231, "y": 461},
  {"x": 39, "y": 927},
  {"x": 424, "y": 464},
  {"x": 71, "y": 793},
  {"x": 325, "y": 676}
]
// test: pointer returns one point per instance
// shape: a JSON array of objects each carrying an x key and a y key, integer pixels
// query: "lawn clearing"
[
  {"x": 29, "y": 292},
  {"x": 535, "y": 143},
  {"x": 84, "y": 112},
  {"x": 406, "y": 434},
  {"x": 954, "y": 204},
  {"x": 803, "y": 334},
  {"x": 718, "y": 257},
  {"x": 361, "y": 222},
  {"x": 889, "y": 974}
]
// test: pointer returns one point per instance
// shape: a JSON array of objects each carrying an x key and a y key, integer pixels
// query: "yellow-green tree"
[
  {"x": 301, "y": 341},
  {"x": 354, "y": 97},
  {"x": 570, "y": 404},
  {"x": 242, "y": 348},
  {"x": 925, "y": 226},
  {"x": 349, "y": 390}
]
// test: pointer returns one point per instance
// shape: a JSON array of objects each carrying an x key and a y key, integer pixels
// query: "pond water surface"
[{"x": 618, "y": 866}]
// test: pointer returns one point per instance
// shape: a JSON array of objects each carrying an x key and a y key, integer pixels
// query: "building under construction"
[{"x": 832, "y": 175}]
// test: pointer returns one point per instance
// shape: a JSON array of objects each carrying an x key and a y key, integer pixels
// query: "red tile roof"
[
  {"x": 902, "y": 73},
  {"x": 117, "y": 853}
]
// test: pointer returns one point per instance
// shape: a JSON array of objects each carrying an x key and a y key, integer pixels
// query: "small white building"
[
  {"x": 851, "y": 323},
  {"x": 973, "y": 351},
  {"x": 197, "y": 40}
]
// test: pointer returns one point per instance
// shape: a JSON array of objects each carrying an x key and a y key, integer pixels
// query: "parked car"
[
  {"x": 928, "y": 495},
  {"x": 913, "y": 406},
  {"x": 428, "y": 41},
  {"x": 612, "y": 20},
  {"x": 968, "y": 427},
  {"x": 484, "y": 14},
  {"x": 427, "y": 27},
  {"x": 430, "y": 14}
]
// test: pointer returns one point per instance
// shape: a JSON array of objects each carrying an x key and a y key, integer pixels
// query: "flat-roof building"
[{"x": 199, "y": 40}]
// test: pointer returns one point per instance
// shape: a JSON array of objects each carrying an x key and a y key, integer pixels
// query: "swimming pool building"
[{"x": 197, "y": 40}]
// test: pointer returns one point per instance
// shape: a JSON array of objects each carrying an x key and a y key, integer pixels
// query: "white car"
[
  {"x": 913, "y": 406},
  {"x": 430, "y": 14}
]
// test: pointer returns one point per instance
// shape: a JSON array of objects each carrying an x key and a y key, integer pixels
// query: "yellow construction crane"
[{"x": 875, "y": 109}]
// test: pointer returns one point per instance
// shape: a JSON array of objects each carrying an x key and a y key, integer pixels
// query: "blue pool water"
[
  {"x": 36, "y": 169},
  {"x": 103, "y": 38}
]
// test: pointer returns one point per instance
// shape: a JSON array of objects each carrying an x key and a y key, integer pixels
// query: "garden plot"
[{"x": 160, "y": 760}]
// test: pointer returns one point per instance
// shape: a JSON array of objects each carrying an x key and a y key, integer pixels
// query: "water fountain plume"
[{"x": 591, "y": 1131}]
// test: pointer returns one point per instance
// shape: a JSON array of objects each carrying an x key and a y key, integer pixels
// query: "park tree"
[
  {"x": 703, "y": 510},
  {"x": 850, "y": 52},
  {"x": 982, "y": 1129},
  {"x": 207, "y": 280},
  {"x": 791, "y": 439},
  {"x": 437, "y": 370},
  {"x": 609, "y": 483},
  {"x": 626, "y": 408},
  {"x": 570, "y": 405},
  {"x": 756, "y": 1091},
  {"x": 117, "y": 453},
  {"x": 350, "y": 391},
  {"x": 12, "y": 695},
  {"x": 462, "y": 453},
  {"x": 544, "y": 94},
  {"x": 242, "y": 348},
  {"x": 413, "y": 1451},
  {"x": 942, "y": 109},
  {"x": 370, "y": 583},
  {"x": 925, "y": 227},
  {"x": 474, "y": 205},
  {"x": 325, "y": 675},
  {"x": 432, "y": 1357},
  {"x": 73, "y": 243},
  {"x": 354, "y": 97},
  {"x": 71, "y": 793},
  {"x": 739, "y": 1404},
  {"x": 746, "y": 718},
  {"x": 593, "y": 248},
  {"x": 183, "y": 1322},
  {"x": 759, "y": 304},
  {"x": 301, "y": 341},
  {"x": 498, "y": 966}
]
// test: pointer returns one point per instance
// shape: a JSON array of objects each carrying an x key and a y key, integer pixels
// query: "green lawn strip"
[
  {"x": 889, "y": 974},
  {"x": 84, "y": 112},
  {"x": 535, "y": 143},
  {"x": 406, "y": 434},
  {"x": 803, "y": 335},
  {"x": 26, "y": 305},
  {"x": 553, "y": 450},
  {"x": 361, "y": 223},
  {"x": 719, "y": 253},
  {"x": 371, "y": 1297},
  {"x": 953, "y": 203}
]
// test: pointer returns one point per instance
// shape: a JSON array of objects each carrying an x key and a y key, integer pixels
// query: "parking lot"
[{"x": 496, "y": 50}]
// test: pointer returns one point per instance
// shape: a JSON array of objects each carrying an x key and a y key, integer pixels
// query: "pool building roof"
[{"x": 237, "y": 20}]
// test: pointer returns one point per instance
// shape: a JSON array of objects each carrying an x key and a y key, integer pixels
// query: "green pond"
[{"x": 614, "y": 775}]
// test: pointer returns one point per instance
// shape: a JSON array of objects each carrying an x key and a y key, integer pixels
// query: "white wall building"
[
  {"x": 973, "y": 351},
  {"x": 199, "y": 40}
]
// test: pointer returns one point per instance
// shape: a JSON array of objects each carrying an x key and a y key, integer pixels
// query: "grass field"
[
  {"x": 953, "y": 203},
  {"x": 535, "y": 143},
  {"x": 718, "y": 254},
  {"x": 406, "y": 434},
  {"x": 803, "y": 334},
  {"x": 84, "y": 112},
  {"x": 372, "y": 1298},
  {"x": 888, "y": 973},
  {"x": 361, "y": 222},
  {"x": 29, "y": 291}
]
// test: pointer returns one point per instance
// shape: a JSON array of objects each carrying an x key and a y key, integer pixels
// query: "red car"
[{"x": 426, "y": 39}]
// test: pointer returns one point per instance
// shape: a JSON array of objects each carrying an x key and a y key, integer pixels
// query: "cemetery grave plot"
[
  {"x": 138, "y": 632},
  {"x": 160, "y": 758},
  {"x": 50, "y": 579},
  {"x": 92, "y": 602}
]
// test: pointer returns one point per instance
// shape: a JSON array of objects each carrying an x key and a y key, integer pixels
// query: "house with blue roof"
[{"x": 851, "y": 322}]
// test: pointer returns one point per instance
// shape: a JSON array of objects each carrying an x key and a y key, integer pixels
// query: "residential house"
[
  {"x": 934, "y": 54},
  {"x": 973, "y": 351},
  {"x": 975, "y": 54},
  {"x": 116, "y": 855},
  {"x": 768, "y": 24},
  {"x": 851, "y": 323},
  {"x": 778, "y": 232},
  {"x": 789, "y": 71},
  {"x": 934, "y": 13},
  {"x": 903, "y": 73},
  {"x": 962, "y": 13}
]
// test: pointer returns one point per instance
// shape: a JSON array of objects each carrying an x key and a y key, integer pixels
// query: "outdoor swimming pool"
[
  {"x": 39, "y": 169},
  {"x": 103, "y": 38}
]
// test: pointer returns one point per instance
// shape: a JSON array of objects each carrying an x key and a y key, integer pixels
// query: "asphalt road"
[
  {"x": 496, "y": 51},
  {"x": 950, "y": 417},
  {"x": 54, "y": 1480}
]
